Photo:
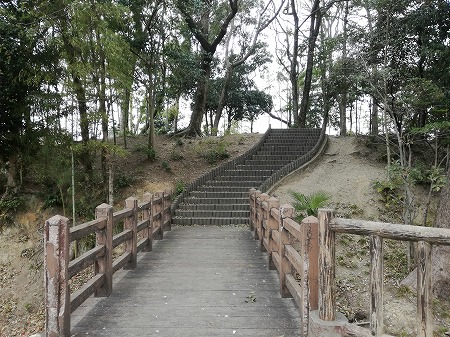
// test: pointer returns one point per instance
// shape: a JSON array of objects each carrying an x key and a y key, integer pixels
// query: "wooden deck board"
[{"x": 195, "y": 283}]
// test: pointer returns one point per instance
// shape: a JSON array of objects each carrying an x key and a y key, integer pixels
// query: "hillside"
[{"x": 346, "y": 171}]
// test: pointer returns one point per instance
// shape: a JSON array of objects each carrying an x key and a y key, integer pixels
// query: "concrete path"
[{"x": 198, "y": 281}]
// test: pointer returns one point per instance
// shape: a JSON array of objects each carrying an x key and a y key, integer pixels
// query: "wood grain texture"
[
  {"x": 376, "y": 285},
  {"x": 327, "y": 297}
]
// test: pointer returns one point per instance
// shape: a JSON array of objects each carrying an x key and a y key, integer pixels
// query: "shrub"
[
  {"x": 8, "y": 207},
  {"x": 151, "y": 154},
  {"x": 176, "y": 155},
  {"x": 309, "y": 205},
  {"x": 180, "y": 186},
  {"x": 165, "y": 165}
]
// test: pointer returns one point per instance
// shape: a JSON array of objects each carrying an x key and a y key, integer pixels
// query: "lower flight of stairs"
[{"x": 221, "y": 196}]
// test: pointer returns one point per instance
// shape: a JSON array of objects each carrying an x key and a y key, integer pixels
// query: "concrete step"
[
  {"x": 236, "y": 172},
  {"x": 277, "y": 155},
  {"x": 225, "y": 221},
  {"x": 247, "y": 183},
  {"x": 218, "y": 195},
  {"x": 218, "y": 207},
  {"x": 267, "y": 162},
  {"x": 212, "y": 213},
  {"x": 219, "y": 201},
  {"x": 221, "y": 189},
  {"x": 249, "y": 167}
]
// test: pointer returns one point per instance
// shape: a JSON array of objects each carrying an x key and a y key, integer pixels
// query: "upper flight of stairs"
[{"x": 220, "y": 197}]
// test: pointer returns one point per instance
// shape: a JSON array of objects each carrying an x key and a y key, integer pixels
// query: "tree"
[
  {"x": 27, "y": 66},
  {"x": 247, "y": 49},
  {"x": 243, "y": 102},
  {"x": 200, "y": 27}
]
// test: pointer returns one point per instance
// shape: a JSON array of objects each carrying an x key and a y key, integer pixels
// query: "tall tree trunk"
[
  {"x": 374, "y": 112},
  {"x": 374, "y": 118},
  {"x": 343, "y": 96},
  {"x": 151, "y": 117},
  {"x": 201, "y": 32},
  {"x": 72, "y": 59},
  {"x": 293, "y": 71},
  {"x": 195, "y": 124},
  {"x": 314, "y": 29},
  {"x": 222, "y": 98},
  {"x": 126, "y": 115}
]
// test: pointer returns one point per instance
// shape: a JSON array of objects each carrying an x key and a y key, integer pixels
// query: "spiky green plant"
[{"x": 306, "y": 205}]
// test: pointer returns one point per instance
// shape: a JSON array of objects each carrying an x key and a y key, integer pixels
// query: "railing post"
[
  {"x": 104, "y": 237},
  {"x": 158, "y": 211},
  {"x": 56, "y": 276},
  {"x": 271, "y": 224},
  {"x": 167, "y": 205},
  {"x": 286, "y": 211},
  {"x": 310, "y": 273},
  {"x": 258, "y": 214},
  {"x": 262, "y": 219},
  {"x": 327, "y": 299},
  {"x": 252, "y": 201},
  {"x": 376, "y": 285},
  {"x": 424, "y": 316},
  {"x": 130, "y": 223},
  {"x": 148, "y": 198}
]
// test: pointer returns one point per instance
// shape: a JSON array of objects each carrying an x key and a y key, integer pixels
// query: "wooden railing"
[
  {"x": 304, "y": 255},
  {"x": 425, "y": 237},
  {"x": 142, "y": 222},
  {"x": 292, "y": 249}
]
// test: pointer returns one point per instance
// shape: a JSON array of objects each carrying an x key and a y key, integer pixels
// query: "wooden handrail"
[
  {"x": 425, "y": 238},
  {"x": 292, "y": 249},
  {"x": 141, "y": 221}
]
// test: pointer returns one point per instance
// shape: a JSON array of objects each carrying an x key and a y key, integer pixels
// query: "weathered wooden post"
[
  {"x": 271, "y": 224},
  {"x": 252, "y": 201},
  {"x": 286, "y": 211},
  {"x": 148, "y": 215},
  {"x": 327, "y": 300},
  {"x": 376, "y": 285},
  {"x": 159, "y": 212},
  {"x": 168, "y": 205},
  {"x": 56, "y": 277},
  {"x": 130, "y": 223},
  {"x": 258, "y": 214},
  {"x": 310, "y": 274},
  {"x": 310, "y": 258},
  {"x": 262, "y": 219},
  {"x": 424, "y": 316},
  {"x": 104, "y": 237}
]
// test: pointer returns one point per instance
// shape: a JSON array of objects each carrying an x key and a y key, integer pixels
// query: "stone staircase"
[{"x": 220, "y": 197}]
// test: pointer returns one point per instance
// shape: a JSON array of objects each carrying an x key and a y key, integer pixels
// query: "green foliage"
[
  {"x": 123, "y": 180},
  {"x": 213, "y": 150},
  {"x": 216, "y": 154},
  {"x": 180, "y": 186},
  {"x": 176, "y": 154},
  {"x": 151, "y": 154},
  {"x": 390, "y": 192},
  {"x": 8, "y": 207},
  {"x": 165, "y": 165},
  {"x": 306, "y": 205}
]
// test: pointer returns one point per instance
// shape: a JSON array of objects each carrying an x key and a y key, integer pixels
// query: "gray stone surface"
[{"x": 198, "y": 281}]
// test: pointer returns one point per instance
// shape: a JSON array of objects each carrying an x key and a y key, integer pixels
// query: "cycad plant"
[{"x": 306, "y": 205}]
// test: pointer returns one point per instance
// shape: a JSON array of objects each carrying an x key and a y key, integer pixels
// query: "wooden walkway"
[{"x": 198, "y": 281}]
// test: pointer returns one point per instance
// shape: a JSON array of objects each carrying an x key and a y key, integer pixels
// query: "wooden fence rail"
[
  {"x": 304, "y": 255},
  {"x": 425, "y": 237},
  {"x": 142, "y": 222},
  {"x": 292, "y": 249}
]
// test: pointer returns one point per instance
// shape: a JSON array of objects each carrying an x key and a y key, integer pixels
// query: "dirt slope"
[{"x": 346, "y": 172}]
